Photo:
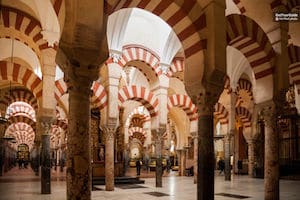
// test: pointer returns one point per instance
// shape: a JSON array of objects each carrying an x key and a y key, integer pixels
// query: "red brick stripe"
[
  {"x": 57, "y": 6},
  {"x": 163, "y": 5}
]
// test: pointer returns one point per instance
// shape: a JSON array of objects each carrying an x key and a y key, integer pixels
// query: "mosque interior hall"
[{"x": 150, "y": 99}]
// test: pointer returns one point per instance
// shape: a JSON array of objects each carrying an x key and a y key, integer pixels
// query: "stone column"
[
  {"x": 183, "y": 161},
  {"x": 158, "y": 153},
  {"x": 227, "y": 157},
  {"x": 195, "y": 137},
  {"x": 178, "y": 153},
  {"x": 1, "y": 156},
  {"x": 230, "y": 135},
  {"x": 45, "y": 123},
  {"x": 78, "y": 143},
  {"x": 36, "y": 158},
  {"x": 251, "y": 157},
  {"x": 110, "y": 131},
  {"x": 205, "y": 187},
  {"x": 271, "y": 176}
]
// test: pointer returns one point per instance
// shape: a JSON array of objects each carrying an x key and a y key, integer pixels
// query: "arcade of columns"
[{"x": 213, "y": 91}]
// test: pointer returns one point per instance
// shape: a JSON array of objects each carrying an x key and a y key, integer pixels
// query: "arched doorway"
[{"x": 23, "y": 155}]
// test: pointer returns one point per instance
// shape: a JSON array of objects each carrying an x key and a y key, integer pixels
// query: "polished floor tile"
[{"x": 174, "y": 188}]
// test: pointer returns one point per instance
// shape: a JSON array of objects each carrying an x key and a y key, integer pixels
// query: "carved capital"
[
  {"x": 268, "y": 115},
  {"x": 110, "y": 129},
  {"x": 228, "y": 137},
  {"x": 206, "y": 102},
  {"x": 115, "y": 55},
  {"x": 80, "y": 78},
  {"x": 45, "y": 124},
  {"x": 194, "y": 135},
  {"x": 110, "y": 133},
  {"x": 164, "y": 68}
]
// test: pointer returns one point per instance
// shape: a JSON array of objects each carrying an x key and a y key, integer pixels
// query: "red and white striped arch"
[
  {"x": 221, "y": 113},
  {"x": 239, "y": 4},
  {"x": 21, "y": 94},
  {"x": 22, "y": 132},
  {"x": 22, "y": 75},
  {"x": 184, "y": 102},
  {"x": 140, "y": 53},
  {"x": 177, "y": 65},
  {"x": 245, "y": 35},
  {"x": 246, "y": 85},
  {"x": 140, "y": 94},
  {"x": 294, "y": 68},
  {"x": 186, "y": 17},
  {"x": 98, "y": 100},
  {"x": 28, "y": 27},
  {"x": 145, "y": 116},
  {"x": 60, "y": 88},
  {"x": 57, "y": 4},
  {"x": 227, "y": 85},
  {"x": 138, "y": 133},
  {"x": 62, "y": 123},
  {"x": 245, "y": 116},
  {"x": 24, "y": 119},
  {"x": 136, "y": 130},
  {"x": 22, "y": 109},
  {"x": 55, "y": 134}
]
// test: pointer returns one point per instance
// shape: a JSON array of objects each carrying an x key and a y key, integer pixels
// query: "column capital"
[
  {"x": 46, "y": 126},
  {"x": 194, "y": 135},
  {"x": 51, "y": 37},
  {"x": 205, "y": 102},
  {"x": 250, "y": 141},
  {"x": 158, "y": 132},
  {"x": 80, "y": 78},
  {"x": 268, "y": 115},
  {"x": 115, "y": 55},
  {"x": 110, "y": 129}
]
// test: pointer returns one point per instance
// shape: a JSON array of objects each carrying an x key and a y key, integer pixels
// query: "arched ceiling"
[
  {"x": 44, "y": 12},
  {"x": 122, "y": 30},
  {"x": 20, "y": 50}
]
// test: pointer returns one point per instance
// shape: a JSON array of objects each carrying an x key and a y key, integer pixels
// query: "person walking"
[
  {"x": 221, "y": 165},
  {"x": 138, "y": 167}
]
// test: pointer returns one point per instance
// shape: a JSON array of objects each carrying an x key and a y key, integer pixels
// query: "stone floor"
[{"x": 21, "y": 184}]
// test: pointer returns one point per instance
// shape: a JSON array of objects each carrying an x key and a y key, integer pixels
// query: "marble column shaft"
[
  {"x": 227, "y": 158},
  {"x": 78, "y": 143},
  {"x": 158, "y": 152},
  {"x": 109, "y": 158},
  {"x": 230, "y": 135},
  {"x": 45, "y": 157},
  {"x": 271, "y": 177},
  {"x": 205, "y": 183},
  {"x": 183, "y": 161},
  {"x": 195, "y": 137},
  {"x": 251, "y": 158},
  {"x": 1, "y": 156},
  {"x": 37, "y": 158}
]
